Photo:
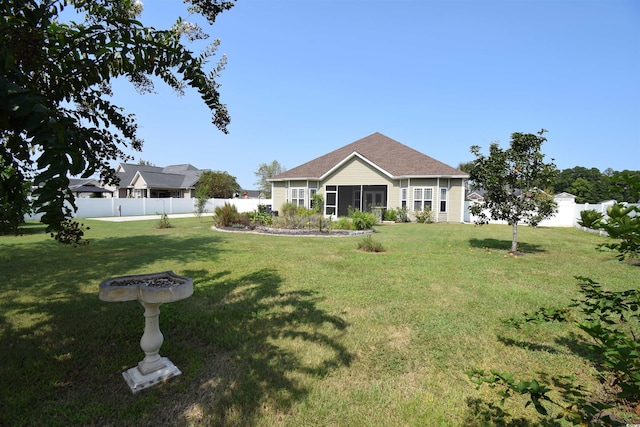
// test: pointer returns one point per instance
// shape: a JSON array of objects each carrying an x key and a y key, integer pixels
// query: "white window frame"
[
  {"x": 297, "y": 196},
  {"x": 404, "y": 192},
  {"x": 420, "y": 199},
  {"x": 331, "y": 209},
  {"x": 443, "y": 199}
]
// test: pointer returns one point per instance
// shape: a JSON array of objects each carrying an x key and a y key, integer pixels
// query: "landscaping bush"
[
  {"x": 260, "y": 218},
  {"x": 163, "y": 222},
  {"x": 342, "y": 223},
  {"x": 424, "y": 217},
  {"x": 227, "y": 215},
  {"x": 369, "y": 244},
  {"x": 362, "y": 220},
  {"x": 402, "y": 214},
  {"x": 390, "y": 215}
]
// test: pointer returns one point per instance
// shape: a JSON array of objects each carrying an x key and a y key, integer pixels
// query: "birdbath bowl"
[{"x": 150, "y": 290}]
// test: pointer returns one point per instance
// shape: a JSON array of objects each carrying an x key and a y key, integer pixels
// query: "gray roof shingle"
[
  {"x": 174, "y": 176},
  {"x": 398, "y": 160}
]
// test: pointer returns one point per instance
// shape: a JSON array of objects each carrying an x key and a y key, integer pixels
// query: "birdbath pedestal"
[{"x": 150, "y": 290}]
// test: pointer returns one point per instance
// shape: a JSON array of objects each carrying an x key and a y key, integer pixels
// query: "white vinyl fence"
[
  {"x": 568, "y": 213},
  {"x": 110, "y": 207}
]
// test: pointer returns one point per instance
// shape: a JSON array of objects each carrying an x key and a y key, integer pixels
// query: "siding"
[
  {"x": 357, "y": 172},
  {"x": 456, "y": 200}
]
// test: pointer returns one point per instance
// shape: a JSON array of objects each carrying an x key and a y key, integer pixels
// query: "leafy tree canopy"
[
  {"x": 515, "y": 180},
  {"x": 593, "y": 186},
  {"x": 266, "y": 171},
  {"x": 56, "y": 119},
  {"x": 216, "y": 184}
]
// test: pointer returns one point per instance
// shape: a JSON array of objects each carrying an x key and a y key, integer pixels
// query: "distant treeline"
[{"x": 593, "y": 186}]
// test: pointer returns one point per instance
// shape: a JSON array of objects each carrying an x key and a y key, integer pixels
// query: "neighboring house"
[
  {"x": 138, "y": 181},
  {"x": 88, "y": 188},
  {"x": 476, "y": 196},
  {"x": 374, "y": 171}
]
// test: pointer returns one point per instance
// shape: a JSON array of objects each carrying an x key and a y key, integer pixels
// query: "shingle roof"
[
  {"x": 174, "y": 176},
  {"x": 398, "y": 160}
]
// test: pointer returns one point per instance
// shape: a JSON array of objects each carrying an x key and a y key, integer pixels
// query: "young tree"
[
  {"x": 266, "y": 171},
  {"x": 216, "y": 184},
  {"x": 514, "y": 180},
  {"x": 56, "y": 118}
]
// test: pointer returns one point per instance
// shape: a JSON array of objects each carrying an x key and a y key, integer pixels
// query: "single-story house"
[
  {"x": 374, "y": 171},
  {"x": 139, "y": 181},
  {"x": 89, "y": 187}
]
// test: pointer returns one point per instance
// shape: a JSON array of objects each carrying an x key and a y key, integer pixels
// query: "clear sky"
[{"x": 305, "y": 77}]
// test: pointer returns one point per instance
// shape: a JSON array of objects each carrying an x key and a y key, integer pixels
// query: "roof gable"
[
  {"x": 389, "y": 156},
  {"x": 174, "y": 176}
]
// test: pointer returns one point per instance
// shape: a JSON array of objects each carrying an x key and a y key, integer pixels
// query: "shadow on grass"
[
  {"x": 483, "y": 413},
  {"x": 257, "y": 348},
  {"x": 245, "y": 345},
  {"x": 504, "y": 245},
  {"x": 527, "y": 345}
]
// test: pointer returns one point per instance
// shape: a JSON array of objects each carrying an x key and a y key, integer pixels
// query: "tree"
[
  {"x": 514, "y": 180},
  {"x": 14, "y": 203},
  {"x": 622, "y": 222},
  {"x": 216, "y": 184},
  {"x": 266, "y": 171},
  {"x": 55, "y": 116}
]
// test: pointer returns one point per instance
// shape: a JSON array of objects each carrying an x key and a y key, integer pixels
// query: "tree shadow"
[
  {"x": 259, "y": 339},
  {"x": 526, "y": 345},
  {"x": 497, "y": 244},
  {"x": 243, "y": 344},
  {"x": 483, "y": 413}
]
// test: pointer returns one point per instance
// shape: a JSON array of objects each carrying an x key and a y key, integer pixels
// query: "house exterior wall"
[
  {"x": 456, "y": 200},
  {"x": 358, "y": 172}
]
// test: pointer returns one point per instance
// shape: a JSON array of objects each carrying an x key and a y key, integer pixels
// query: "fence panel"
[{"x": 106, "y": 207}]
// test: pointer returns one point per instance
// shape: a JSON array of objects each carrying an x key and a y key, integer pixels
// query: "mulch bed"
[{"x": 293, "y": 232}]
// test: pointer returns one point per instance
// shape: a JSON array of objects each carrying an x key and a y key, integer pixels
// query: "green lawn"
[{"x": 290, "y": 330}]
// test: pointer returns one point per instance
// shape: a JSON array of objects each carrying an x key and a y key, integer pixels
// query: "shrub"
[
  {"x": 317, "y": 203},
  {"x": 611, "y": 319},
  {"x": 369, "y": 244},
  {"x": 362, "y": 220},
  {"x": 226, "y": 216},
  {"x": 425, "y": 216},
  {"x": 260, "y": 218},
  {"x": 402, "y": 214},
  {"x": 390, "y": 215},
  {"x": 163, "y": 222},
  {"x": 342, "y": 223}
]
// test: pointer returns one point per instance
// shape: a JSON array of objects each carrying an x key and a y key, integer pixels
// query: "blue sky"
[{"x": 305, "y": 77}]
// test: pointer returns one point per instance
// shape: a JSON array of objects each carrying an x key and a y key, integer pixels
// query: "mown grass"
[{"x": 291, "y": 330}]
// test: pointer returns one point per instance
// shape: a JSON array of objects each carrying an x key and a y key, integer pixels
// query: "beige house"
[{"x": 375, "y": 171}]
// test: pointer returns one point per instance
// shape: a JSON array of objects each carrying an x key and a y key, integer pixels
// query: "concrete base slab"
[{"x": 138, "y": 381}]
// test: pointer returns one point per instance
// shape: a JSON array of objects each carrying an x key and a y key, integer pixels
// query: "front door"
[{"x": 372, "y": 198}]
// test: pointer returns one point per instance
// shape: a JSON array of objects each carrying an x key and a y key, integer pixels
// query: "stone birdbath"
[{"x": 150, "y": 290}]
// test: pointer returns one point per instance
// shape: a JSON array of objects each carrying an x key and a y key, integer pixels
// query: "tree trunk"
[{"x": 514, "y": 240}]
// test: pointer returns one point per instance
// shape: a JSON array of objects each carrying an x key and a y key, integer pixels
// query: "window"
[
  {"x": 312, "y": 192},
  {"x": 422, "y": 198},
  {"x": 403, "y": 197},
  {"x": 331, "y": 203},
  {"x": 297, "y": 196},
  {"x": 443, "y": 200}
]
